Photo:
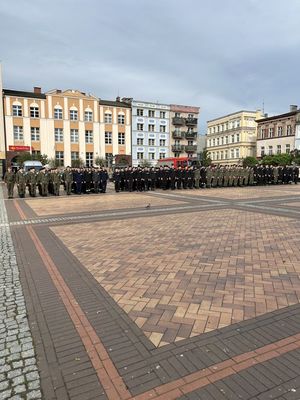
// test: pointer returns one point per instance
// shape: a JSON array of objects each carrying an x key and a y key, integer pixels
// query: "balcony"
[
  {"x": 178, "y": 135},
  {"x": 191, "y": 148},
  {"x": 178, "y": 121},
  {"x": 191, "y": 121},
  {"x": 191, "y": 135},
  {"x": 177, "y": 148}
]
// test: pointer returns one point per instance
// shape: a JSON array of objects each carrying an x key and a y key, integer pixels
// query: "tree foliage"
[
  {"x": 101, "y": 162},
  {"x": 277, "y": 159},
  {"x": 250, "y": 161},
  {"x": 25, "y": 156},
  {"x": 205, "y": 159},
  {"x": 77, "y": 163}
]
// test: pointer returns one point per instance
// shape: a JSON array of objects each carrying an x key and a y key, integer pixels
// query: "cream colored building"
[
  {"x": 279, "y": 133},
  {"x": 65, "y": 125},
  {"x": 231, "y": 138},
  {"x": 183, "y": 130}
]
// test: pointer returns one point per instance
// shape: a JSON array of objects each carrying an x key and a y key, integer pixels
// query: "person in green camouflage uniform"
[
  {"x": 68, "y": 179},
  {"x": 43, "y": 181},
  {"x": 251, "y": 177},
  {"x": 10, "y": 179},
  {"x": 197, "y": 178},
  {"x": 275, "y": 175},
  {"x": 31, "y": 181},
  {"x": 21, "y": 182},
  {"x": 226, "y": 176},
  {"x": 55, "y": 177},
  {"x": 208, "y": 177}
]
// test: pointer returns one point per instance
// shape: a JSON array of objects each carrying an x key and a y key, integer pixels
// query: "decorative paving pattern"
[
  {"x": 237, "y": 193},
  {"x": 19, "y": 376},
  {"x": 178, "y": 276},
  {"x": 89, "y": 203}
]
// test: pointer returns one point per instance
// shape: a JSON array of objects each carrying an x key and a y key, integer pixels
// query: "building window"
[
  {"x": 271, "y": 132},
  {"x": 177, "y": 115},
  {"x": 140, "y": 155},
  {"x": 140, "y": 141},
  {"x": 162, "y": 142},
  {"x": 35, "y": 153},
  {"x": 232, "y": 138},
  {"x": 279, "y": 131},
  {"x": 232, "y": 153},
  {"x": 226, "y": 154},
  {"x": 162, "y": 114},
  {"x": 209, "y": 143},
  {"x": 34, "y": 112},
  {"x": 18, "y": 133},
  {"x": 289, "y": 130},
  {"x": 88, "y": 116},
  {"x": 151, "y": 113},
  {"x": 218, "y": 141},
  {"x": 162, "y": 128},
  {"x": 88, "y": 136},
  {"x": 270, "y": 150},
  {"x": 140, "y": 112},
  {"x": 151, "y": 142},
  {"x": 279, "y": 149},
  {"x": 74, "y": 136},
  {"x": 35, "y": 134},
  {"x": 190, "y": 142},
  {"x": 151, "y": 128},
  {"x": 58, "y": 113},
  {"x": 121, "y": 138},
  {"x": 222, "y": 140},
  {"x": 190, "y": 115},
  {"x": 121, "y": 119},
  {"x": 287, "y": 148},
  {"x": 17, "y": 110},
  {"x": 108, "y": 118},
  {"x": 140, "y": 127},
  {"x": 89, "y": 158},
  {"x": 74, "y": 155},
  {"x": 237, "y": 137},
  {"x": 151, "y": 156},
  {"x": 262, "y": 151},
  {"x": 58, "y": 135},
  {"x": 59, "y": 156},
  {"x": 108, "y": 138},
  {"x": 226, "y": 139},
  {"x": 73, "y": 115},
  {"x": 214, "y": 142},
  {"x": 162, "y": 155}
]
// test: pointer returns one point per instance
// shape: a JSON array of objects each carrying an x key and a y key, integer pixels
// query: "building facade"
[
  {"x": 65, "y": 125},
  {"x": 150, "y": 132},
  {"x": 231, "y": 138},
  {"x": 184, "y": 130},
  {"x": 279, "y": 134}
]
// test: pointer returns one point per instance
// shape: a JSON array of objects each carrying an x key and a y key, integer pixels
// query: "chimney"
[
  {"x": 58, "y": 91},
  {"x": 293, "y": 107},
  {"x": 37, "y": 90},
  {"x": 118, "y": 99},
  {"x": 266, "y": 115}
]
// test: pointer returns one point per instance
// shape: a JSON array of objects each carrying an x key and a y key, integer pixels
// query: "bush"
[
  {"x": 250, "y": 162},
  {"x": 277, "y": 159}
]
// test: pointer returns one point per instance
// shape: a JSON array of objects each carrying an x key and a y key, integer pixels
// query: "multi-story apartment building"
[
  {"x": 184, "y": 130},
  {"x": 150, "y": 131},
  {"x": 231, "y": 138},
  {"x": 278, "y": 134},
  {"x": 65, "y": 125}
]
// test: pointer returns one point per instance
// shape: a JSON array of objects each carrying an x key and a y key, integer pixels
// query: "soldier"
[
  {"x": 68, "y": 179},
  {"x": 197, "y": 178},
  {"x": 78, "y": 179},
  {"x": 191, "y": 177},
  {"x": 295, "y": 174},
  {"x": 10, "y": 179},
  {"x": 103, "y": 179},
  {"x": 153, "y": 178},
  {"x": 129, "y": 178},
  {"x": 117, "y": 179},
  {"x": 226, "y": 176},
  {"x": 179, "y": 178},
  {"x": 147, "y": 179},
  {"x": 56, "y": 180},
  {"x": 31, "y": 181},
  {"x": 43, "y": 182},
  {"x": 251, "y": 176},
  {"x": 202, "y": 177},
  {"x": 208, "y": 177},
  {"x": 21, "y": 182},
  {"x": 231, "y": 176}
]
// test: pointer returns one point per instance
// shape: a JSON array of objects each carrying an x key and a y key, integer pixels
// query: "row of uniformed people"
[
  {"x": 48, "y": 181},
  {"x": 143, "y": 179}
]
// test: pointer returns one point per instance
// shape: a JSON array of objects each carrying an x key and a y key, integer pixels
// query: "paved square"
[
  {"x": 181, "y": 275},
  {"x": 92, "y": 203}
]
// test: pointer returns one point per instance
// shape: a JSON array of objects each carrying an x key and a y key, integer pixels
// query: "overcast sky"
[{"x": 220, "y": 55}]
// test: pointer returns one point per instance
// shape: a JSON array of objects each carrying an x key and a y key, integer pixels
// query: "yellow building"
[
  {"x": 231, "y": 138},
  {"x": 65, "y": 125}
]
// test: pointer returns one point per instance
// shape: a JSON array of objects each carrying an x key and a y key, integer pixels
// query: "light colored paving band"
[{"x": 19, "y": 376}]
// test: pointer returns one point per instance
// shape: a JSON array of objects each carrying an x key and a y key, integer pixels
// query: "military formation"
[
  {"x": 94, "y": 180},
  {"x": 49, "y": 181},
  {"x": 144, "y": 179}
]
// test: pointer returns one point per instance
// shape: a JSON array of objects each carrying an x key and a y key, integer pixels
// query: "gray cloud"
[{"x": 220, "y": 55}]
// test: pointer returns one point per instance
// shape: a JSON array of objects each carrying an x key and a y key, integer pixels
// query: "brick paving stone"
[{"x": 251, "y": 263}]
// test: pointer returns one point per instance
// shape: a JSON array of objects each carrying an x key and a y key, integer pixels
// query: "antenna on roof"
[{"x": 263, "y": 107}]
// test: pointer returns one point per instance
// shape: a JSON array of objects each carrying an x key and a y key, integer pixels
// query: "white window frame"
[
  {"x": 35, "y": 134},
  {"x": 140, "y": 127},
  {"x": 73, "y": 115},
  {"x": 121, "y": 119},
  {"x": 121, "y": 138},
  {"x": 162, "y": 142},
  {"x": 58, "y": 135},
  {"x": 74, "y": 136},
  {"x": 140, "y": 141},
  {"x": 89, "y": 137},
  {"x": 108, "y": 137},
  {"x": 17, "y": 110},
  {"x": 108, "y": 117},
  {"x": 18, "y": 133},
  {"x": 140, "y": 155},
  {"x": 88, "y": 116},
  {"x": 151, "y": 142},
  {"x": 58, "y": 113},
  {"x": 34, "y": 112}
]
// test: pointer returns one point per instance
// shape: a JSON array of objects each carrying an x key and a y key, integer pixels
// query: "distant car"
[{"x": 37, "y": 165}]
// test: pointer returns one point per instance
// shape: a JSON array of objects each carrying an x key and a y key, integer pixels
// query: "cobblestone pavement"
[
  {"x": 194, "y": 298},
  {"x": 19, "y": 376}
]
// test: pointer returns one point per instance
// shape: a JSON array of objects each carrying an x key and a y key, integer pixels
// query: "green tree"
[
  {"x": 277, "y": 159},
  {"x": 250, "y": 161},
  {"x": 101, "y": 162},
  {"x": 25, "y": 156},
  {"x": 145, "y": 163},
  {"x": 205, "y": 159},
  {"x": 54, "y": 163},
  {"x": 77, "y": 163}
]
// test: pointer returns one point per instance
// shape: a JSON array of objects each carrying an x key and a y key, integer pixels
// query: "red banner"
[{"x": 19, "y": 148}]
